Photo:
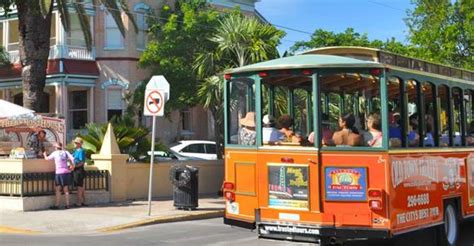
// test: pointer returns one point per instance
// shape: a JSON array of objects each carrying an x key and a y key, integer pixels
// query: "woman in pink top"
[{"x": 62, "y": 179}]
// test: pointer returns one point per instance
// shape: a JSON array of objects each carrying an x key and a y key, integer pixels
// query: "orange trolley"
[{"x": 348, "y": 143}]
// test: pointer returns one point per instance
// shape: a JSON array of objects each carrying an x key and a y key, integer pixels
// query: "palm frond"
[
  {"x": 85, "y": 24},
  {"x": 45, "y": 7},
  {"x": 114, "y": 10},
  {"x": 64, "y": 14},
  {"x": 124, "y": 7}
]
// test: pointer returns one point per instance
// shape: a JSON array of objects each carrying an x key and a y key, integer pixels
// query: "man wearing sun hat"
[{"x": 79, "y": 173}]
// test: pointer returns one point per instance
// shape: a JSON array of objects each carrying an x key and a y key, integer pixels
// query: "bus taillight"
[
  {"x": 376, "y": 204},
  {"x": 229, "y": 195},
  {"x": 228, "y": 186},
  {"x": 376, "y": 199}
]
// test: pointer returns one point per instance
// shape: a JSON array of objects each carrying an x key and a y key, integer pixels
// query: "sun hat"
[
  {"x": 268, "y": 119},
  {"x": 249, "y": 120},
  {"x": 78, "y": 140}
]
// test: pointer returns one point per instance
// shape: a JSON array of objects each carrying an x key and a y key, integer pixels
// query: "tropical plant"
[
  {"x": 4, "y": 61},
  {"x": 238, "y": 40},
  {"x": 34, "y": 18},
  {"x": 131, "y": 140}
]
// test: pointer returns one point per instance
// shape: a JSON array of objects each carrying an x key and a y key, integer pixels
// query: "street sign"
[
  {"x": 159, "y": 82},
  {"x": 154, "y": 102},
  {"x": 157, "y": 92}
]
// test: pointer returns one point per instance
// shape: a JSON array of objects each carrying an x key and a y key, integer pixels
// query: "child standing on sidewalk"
[{"x": 62, "y": 178}]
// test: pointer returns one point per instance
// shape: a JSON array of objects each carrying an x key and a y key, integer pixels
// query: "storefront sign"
[
  {"x": 288, "y": 186},
  {"x": 41, "y": 122},
  {"x": 346, "y": 184}
]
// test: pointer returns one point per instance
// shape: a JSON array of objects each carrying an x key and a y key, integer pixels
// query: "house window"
[
  {"x": 186, "y": 119},
  {"x": 52, "y": 39},
  {"x": 114, "y": 104},
  {"x": 75, "y": 36},
  {"x": 113, "y": 37},
  {"x": 141, "y": 11},
  {"x": 78, "y": 109},
  {"x": 18, "y": 100},
  {"x": 12, "y": 35}
]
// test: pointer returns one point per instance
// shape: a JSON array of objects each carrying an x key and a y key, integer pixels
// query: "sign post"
[{"x": 156, "y": 94}]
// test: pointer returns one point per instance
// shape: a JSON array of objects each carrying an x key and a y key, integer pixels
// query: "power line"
[
  {"x": 385, "y": 5},
  {"x": 161, "y": 18}
]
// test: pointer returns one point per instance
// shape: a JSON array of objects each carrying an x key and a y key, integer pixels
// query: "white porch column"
[
  {"x": 91, "y": 106},
  {"x": 64, "y": 104},
  {"x": 57, "y": 93}
]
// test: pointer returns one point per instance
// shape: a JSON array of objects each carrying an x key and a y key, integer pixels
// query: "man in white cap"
[{"x": 270, "y": 134}]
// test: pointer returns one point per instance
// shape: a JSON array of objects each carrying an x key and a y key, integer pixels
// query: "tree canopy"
[
  {"x": 440, "y": 31},
  {"x": 443, "y": 31},
  {"x": 177, "y": 37},
  {"x": 324, "y": 38}
]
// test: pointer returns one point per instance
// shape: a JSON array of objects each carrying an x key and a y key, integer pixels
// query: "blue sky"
[{"x": 380, "y": 19}]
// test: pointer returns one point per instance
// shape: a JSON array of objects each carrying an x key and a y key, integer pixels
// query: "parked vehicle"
[{"x": 200, "y": 149}]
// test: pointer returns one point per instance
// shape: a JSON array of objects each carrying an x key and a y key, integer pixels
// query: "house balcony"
[{"x": 61, "y": 52}]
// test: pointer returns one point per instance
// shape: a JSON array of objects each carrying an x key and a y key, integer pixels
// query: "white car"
[{"x": 201, "y": 149}]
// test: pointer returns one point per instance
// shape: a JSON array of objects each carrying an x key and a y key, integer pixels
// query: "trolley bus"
[{"x": 348, "y": 143}]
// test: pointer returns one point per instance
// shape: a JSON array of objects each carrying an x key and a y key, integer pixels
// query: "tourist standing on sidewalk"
[
  {"x": 79, "y": 173},
  {"x": 62, "y": 178}
]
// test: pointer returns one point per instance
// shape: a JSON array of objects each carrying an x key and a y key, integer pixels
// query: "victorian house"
[{"x": 89, "y": 86}]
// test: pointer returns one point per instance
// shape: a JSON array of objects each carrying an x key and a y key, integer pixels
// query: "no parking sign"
[{"x": 156, "y": 94}]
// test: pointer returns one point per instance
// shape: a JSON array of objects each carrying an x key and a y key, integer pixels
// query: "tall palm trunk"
[{"x": 34, "y": 35}]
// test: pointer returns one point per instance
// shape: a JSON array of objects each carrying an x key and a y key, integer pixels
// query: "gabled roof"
[{"x": 305, "y": 62}]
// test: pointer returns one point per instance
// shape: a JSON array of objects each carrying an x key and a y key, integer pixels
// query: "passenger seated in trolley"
[
  {"x": 348, "y": 135},
  {"x": 247, "y": 133},
  {"x": 373, "y": 136},
  {"x": 285, "y": 122},
  {"x": 470, "y": 134},
  {"x": 326, "y": 131},
  {"x": 270, "y": 134},
  {"x": 413, "y": 136}
]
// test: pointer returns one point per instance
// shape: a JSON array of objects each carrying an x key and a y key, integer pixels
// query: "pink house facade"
[{"x": 85, "y": 86}]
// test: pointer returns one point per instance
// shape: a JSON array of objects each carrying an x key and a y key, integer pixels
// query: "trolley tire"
[{"x": 448, "y": 232}]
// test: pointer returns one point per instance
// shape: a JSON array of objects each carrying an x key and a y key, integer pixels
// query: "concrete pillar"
[{"x": 110, "y": 159}]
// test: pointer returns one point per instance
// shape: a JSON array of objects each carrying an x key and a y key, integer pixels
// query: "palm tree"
[
  {"x": 239, "y": 40},
  {"x": 34, "y": 17}
]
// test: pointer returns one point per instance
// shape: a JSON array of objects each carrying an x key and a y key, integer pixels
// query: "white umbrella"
[{"x": 8, "y": 110}]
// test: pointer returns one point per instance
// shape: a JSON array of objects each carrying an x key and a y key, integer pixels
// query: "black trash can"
[{"x": 185, "y": 186}]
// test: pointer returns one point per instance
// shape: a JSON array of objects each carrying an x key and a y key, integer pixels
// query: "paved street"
[{"x": 203, "y": 232}]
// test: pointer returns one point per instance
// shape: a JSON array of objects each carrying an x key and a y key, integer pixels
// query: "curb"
[
  {"x": 14, "y": 230},
  {"x": 163, "y": 219}
]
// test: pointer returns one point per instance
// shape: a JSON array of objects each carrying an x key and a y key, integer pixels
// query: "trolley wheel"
[{"x": 448, "y": 232}]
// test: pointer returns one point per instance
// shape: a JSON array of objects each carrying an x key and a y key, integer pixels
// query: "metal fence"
[{"x": 40, "y": 184}]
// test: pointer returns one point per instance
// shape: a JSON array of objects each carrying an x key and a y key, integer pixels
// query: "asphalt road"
[{"x": 203, "y": 232}]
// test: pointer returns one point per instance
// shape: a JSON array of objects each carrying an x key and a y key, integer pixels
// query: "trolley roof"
[{"x": 305, "y": 62}]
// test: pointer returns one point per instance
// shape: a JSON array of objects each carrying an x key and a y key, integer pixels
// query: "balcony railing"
[{"x": 61, "y": 52}]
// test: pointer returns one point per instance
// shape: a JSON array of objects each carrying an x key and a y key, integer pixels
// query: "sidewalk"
[{"x": 105, "y": 218}]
